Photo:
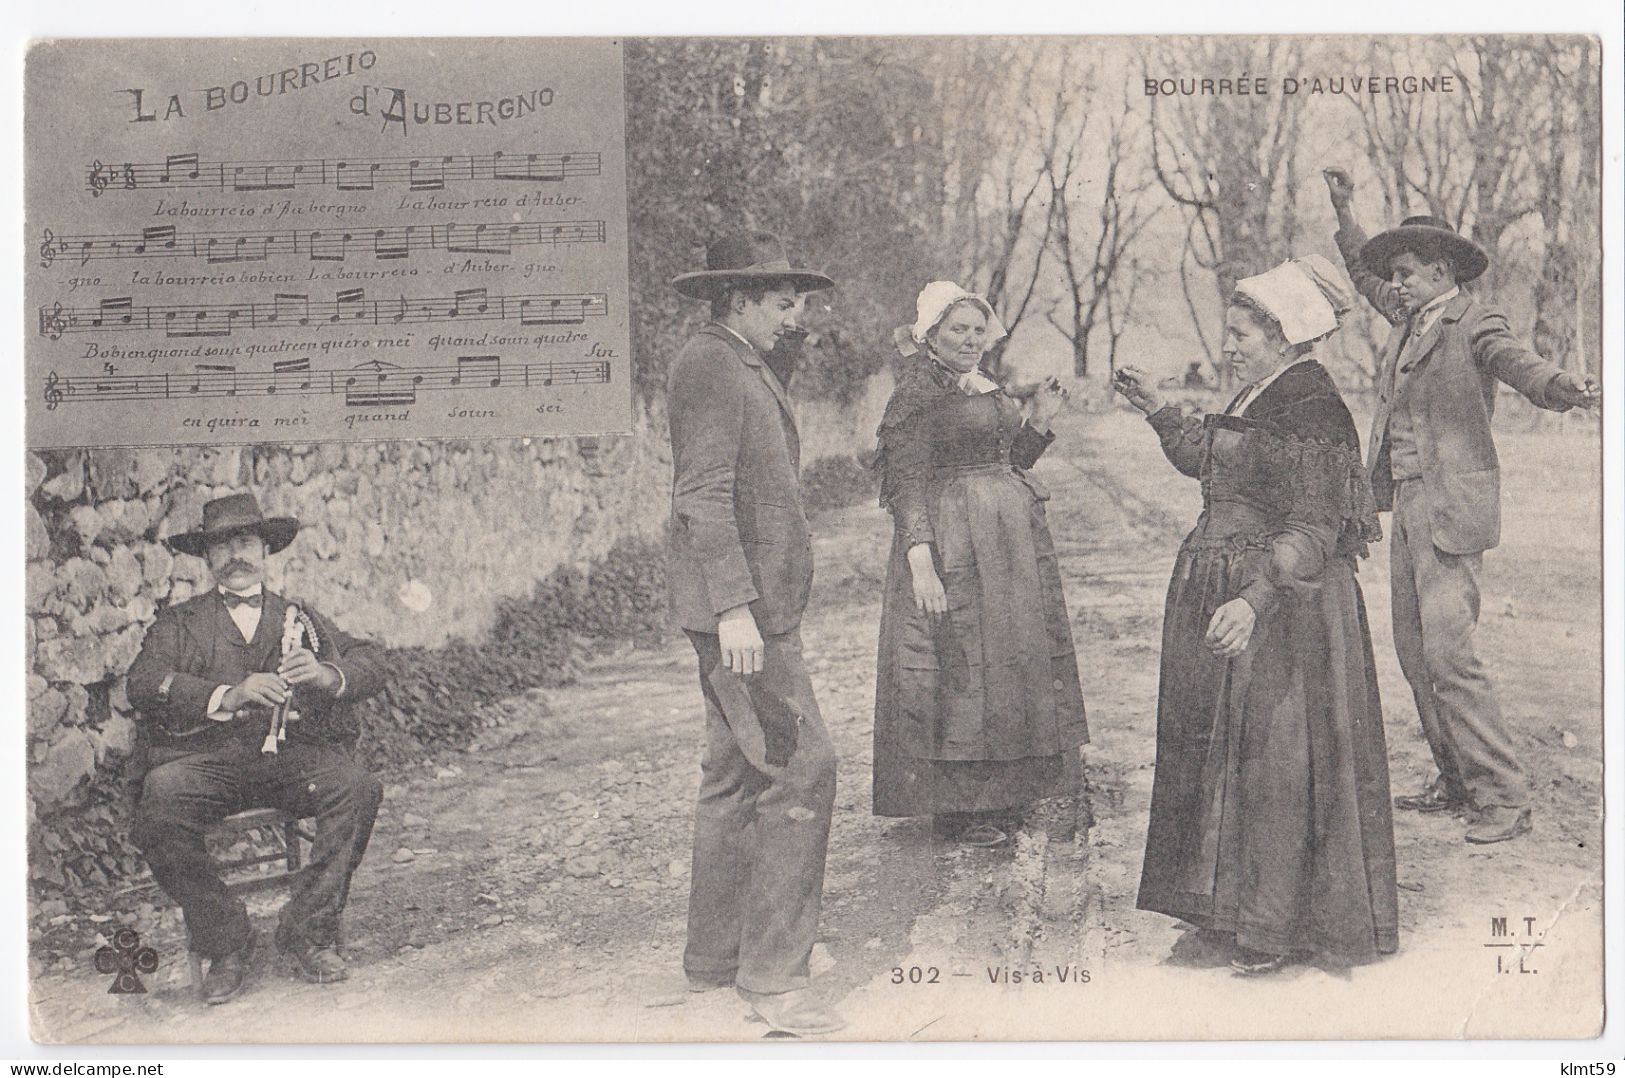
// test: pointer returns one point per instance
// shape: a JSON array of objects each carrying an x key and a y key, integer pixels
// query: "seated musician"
[{"x": 242, "y": 697}]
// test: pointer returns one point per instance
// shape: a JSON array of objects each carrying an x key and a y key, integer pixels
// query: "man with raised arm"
[{"x": 1433, "y": 464}]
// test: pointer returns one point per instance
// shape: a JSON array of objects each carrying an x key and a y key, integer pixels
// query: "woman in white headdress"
[
  {"x": 1270, "y": 823},
  {"x": 978, "y": 710}
]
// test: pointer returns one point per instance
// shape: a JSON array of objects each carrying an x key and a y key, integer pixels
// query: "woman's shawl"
[{"x": 1300, "y": 440}]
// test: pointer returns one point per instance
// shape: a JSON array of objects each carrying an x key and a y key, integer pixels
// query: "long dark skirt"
[
  {"x": 979, "y": 710},
  {"x": 1270, "y": 812}
]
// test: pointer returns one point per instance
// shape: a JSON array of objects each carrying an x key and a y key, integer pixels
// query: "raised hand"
[
  {"x": 1338, "y": 185},
  {"x": 1048, "y": 400},
  {"x": 1138, "y": 387}
]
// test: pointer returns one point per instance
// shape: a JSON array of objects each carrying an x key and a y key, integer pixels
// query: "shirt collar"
[
  {"x": 736, "y": 333},
  {"x": 1426, "y": 311},
  {"x": 257, "y": 589}
]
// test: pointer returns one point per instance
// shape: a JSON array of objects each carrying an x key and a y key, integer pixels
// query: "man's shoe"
[
  {"x": 316, "y": 963},
  {"x": 1498, "y": 824},
  {"x": 1435, "y": 798},
  {"x": 798, "y": 1012},
  {"x": 227, "y": 973}
]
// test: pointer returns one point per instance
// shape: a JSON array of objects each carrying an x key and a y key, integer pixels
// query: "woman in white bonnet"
[
  {"x": 1270, "y": 825},
  {"x": 978, "y": 710}
]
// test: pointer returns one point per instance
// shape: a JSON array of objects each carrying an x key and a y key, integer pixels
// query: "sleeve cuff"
[
  {"x": 216, "y": 699},
  {"x": 343, "y": 681},
  {"x": 1548, "y": 399},
  {"x": 1260, "y": 595}
]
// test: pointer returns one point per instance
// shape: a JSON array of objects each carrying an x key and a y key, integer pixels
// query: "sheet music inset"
[{"x": 305, "y": 240}]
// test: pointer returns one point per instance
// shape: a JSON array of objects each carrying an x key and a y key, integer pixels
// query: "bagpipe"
[{"x": 298, "y": 631}]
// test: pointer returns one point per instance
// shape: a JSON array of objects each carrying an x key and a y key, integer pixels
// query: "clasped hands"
[{"x": 270, "y": 690}]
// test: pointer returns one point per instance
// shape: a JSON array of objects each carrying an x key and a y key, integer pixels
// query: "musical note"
[
  {"x": 289, "y": 376},
  {"x": 345, "y": 176},
  {"x": 184, "y": 160},
  {"x": 352, "y": 305},
  {"x": 429, "y": 180},
  {"x": 399, "y": 243},
  {"x": 329, "y": 247},
  {"x": 161, "y": 235},
  {"x": 479, "y": 367},
  {"x": 474, "y": 298},
  {"x": 287, "y": 306},
  {"x": 122, "y": 309},
  {"x": 214, "y": 380}
]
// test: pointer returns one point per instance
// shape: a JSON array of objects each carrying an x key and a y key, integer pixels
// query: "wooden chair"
[{"x": 291, "y": 834}]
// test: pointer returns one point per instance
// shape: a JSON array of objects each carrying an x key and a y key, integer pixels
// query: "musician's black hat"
[{"x": 233, "y": 515}]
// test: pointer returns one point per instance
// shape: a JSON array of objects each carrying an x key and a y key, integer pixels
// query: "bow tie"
[{"x": 233, "y": 599}]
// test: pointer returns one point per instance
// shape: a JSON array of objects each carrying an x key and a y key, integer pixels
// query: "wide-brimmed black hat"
[
  {"x": 233, "y": 515},
  {"x": 743, "y": 258},
  {"x": 1420, "y": 234}
]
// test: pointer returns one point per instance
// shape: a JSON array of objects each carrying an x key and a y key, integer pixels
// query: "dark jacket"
[
  {"x": 1454, "y": 369},
  {"x": 197, "y": 642},
  {"x": 738, "y": 530}
]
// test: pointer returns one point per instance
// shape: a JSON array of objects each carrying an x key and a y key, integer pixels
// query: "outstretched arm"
[
  {"x": 1545, "y": 384},
  {"x": 1350, "y": 239}
]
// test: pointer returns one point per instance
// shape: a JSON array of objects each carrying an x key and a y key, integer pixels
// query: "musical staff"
[
  {"x": 350, "y": 307},
  {"x": 368, "y": 385},
  {"x": 428, "y": 172},
  {"x": 319, "y": 245}
]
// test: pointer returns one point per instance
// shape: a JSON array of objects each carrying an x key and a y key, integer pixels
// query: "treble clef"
[
  {"x": 52, "y": 324},
  {"x": 47, "y": 250},
  {"x": 98, "y": 180},
  {"x": 53, "y": 392}
]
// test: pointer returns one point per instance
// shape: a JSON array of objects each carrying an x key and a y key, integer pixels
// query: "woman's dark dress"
[
  {"x": 1270, "y": 810},
  {"x": 979, "y": 710}
]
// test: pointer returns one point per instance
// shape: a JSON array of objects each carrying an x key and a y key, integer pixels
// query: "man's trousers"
[
  {"x": 182, "y": 798},
  {"x": 1436, "y": 598},
  {"x": 761, "y": 829}
]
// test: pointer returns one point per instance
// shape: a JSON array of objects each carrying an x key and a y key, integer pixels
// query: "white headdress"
[{"x": 1302, "y": 294}]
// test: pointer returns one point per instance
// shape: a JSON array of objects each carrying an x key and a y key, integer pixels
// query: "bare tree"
[
  {"x": 1097, "y": 219},
  {"x": 1228, "y": 161}
]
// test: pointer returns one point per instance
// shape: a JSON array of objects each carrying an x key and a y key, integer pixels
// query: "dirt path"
[{"x": 543, "y": 889}]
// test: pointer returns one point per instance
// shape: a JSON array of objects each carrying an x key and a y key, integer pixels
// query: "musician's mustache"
[{"x": 236, "y": 564}]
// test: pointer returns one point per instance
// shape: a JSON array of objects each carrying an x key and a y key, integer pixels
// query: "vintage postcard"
[{"x": 713, "y": 539}]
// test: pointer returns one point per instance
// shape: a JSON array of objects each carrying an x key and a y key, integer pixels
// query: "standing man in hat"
[
  {"x": 212, "y": 674},
  {"x": 740, "y": 574},
  {"x": 1433, "y": 463}
]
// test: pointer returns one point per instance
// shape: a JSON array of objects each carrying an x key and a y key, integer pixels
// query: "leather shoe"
[
  {"x": 316, "y": 963},
  {"x": 1499, "y": 823},
  {"x": 1435, "y": 798},
  {"x": 798, "y": 1012},
  {"x": 227, "y": 973}
]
